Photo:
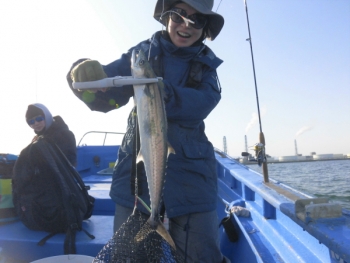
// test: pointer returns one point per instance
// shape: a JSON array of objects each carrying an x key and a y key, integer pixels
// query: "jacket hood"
[{"x": 36, "y": 108}]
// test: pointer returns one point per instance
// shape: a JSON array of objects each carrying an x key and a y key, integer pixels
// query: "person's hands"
[{"x": 88, "y": 70}]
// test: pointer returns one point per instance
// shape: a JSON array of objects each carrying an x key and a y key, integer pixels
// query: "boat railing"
[{"x": 101, "y": 138}]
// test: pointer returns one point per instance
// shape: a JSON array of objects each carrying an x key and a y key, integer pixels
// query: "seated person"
[{"x": 41, "y": 121}]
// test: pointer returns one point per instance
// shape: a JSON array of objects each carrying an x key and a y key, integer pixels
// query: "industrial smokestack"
[
  {"x": 246, "y": 143},
  {"x": 225, "y": 145},
  {"x": 296, "y": 148}
]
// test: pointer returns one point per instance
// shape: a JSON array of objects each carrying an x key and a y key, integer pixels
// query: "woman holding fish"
[{"x": 191, "y": 92}]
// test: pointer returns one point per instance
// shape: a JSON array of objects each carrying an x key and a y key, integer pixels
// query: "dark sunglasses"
[
  {"x": 179, "y": 16},
  {"x": 36, "y": 119}
]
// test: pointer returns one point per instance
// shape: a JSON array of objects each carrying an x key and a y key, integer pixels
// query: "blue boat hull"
[{"x": 272, "y": 233}]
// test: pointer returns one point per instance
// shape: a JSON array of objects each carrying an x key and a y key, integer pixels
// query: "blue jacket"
[{"x": 191, "y": 179}]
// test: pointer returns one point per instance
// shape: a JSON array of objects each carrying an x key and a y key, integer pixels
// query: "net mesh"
[{"x": 148, "y": 247}]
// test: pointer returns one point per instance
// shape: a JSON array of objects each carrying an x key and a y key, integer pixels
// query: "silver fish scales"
[{"x": 154, "y": 147}]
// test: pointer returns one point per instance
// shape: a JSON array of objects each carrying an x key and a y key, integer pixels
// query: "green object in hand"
[{"x": 88, "y": 70}]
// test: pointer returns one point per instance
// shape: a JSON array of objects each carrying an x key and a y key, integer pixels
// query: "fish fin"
[
  {"x": 139, "y": 157},
  {"x": 147, "y": 228},
  {"x": 165, "y": 234},
  {"x": 170, "y": 149}
]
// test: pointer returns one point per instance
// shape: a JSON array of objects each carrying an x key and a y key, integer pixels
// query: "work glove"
[
  {"x": 88, "y": 70},
  {"x": 240, "y": 211}
]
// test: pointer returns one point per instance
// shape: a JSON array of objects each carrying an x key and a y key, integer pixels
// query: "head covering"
[
  {"x": 33, "y": 111},
  {"x": 215, "y": 23},
  {"x": 39, "y": 109}
]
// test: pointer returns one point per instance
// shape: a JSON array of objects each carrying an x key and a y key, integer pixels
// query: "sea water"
[{"x": 330, "y": 179}]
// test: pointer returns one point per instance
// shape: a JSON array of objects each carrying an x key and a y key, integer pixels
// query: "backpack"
[
  {"x": 49, "y": 194},
  {"x": 7, "y": 209}
]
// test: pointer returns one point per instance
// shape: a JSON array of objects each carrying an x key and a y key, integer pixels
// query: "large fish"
[{"x": 154, "y": 148}]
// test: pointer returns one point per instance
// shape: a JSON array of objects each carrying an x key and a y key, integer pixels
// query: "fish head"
[{"x": 140, "y": 67}]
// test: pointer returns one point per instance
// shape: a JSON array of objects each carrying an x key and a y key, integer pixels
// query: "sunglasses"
[
  {"x": 197, "y": 21},
  {"x": 36, "y": 119}
]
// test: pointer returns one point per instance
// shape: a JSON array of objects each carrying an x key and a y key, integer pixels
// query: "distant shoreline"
[{"x": 293, "y": 161}]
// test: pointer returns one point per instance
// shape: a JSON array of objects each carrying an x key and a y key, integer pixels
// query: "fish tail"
[
  {"x": 149, "y": 227},
  {"x": 165, "y": 234}
]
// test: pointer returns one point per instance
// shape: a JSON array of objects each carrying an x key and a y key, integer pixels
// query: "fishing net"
[
  {"x": 148, "y": 247},
  {"x": 136, "y": 241}
]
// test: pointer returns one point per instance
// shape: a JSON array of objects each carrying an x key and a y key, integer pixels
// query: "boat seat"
[
  {"x": 104, "y": 205},
  {"x": 16, "y": 239},
  {"x": 93, "y": 179},
  {"x": 107, "y": 171}
]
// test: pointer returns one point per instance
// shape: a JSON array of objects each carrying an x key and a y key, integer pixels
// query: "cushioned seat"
[
  {"x": 18, "y": 243},
  {"x": 104, "y": 205}
]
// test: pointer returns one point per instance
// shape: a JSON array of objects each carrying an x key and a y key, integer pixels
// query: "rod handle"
[{"x": 264, "y": 164}]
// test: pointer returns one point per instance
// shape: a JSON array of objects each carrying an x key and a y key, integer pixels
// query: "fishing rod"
[{"x": 260, "y": 147}]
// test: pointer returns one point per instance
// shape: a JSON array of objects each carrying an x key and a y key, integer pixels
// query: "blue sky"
[{"x": 301, "y": 53}]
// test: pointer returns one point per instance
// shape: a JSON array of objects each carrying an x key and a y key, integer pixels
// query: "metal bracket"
[
  {"x": 117, "y": 81},
  {"x": 315, "y": 208}
]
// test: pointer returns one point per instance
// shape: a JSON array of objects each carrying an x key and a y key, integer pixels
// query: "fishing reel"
[{"x": 260, "y": 155}]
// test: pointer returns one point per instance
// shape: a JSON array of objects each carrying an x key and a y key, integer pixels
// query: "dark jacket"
[
  {"x": 57, "y": 131},
  {"x": 191, "y": 179}
]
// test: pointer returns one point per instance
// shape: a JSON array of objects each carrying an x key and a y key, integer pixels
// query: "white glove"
[{"x": 240, "y": 211}]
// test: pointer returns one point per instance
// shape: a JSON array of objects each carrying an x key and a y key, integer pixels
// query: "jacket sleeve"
[
  {"x": 115, "y": 97},
  {"x": 193, "y": 105}
]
